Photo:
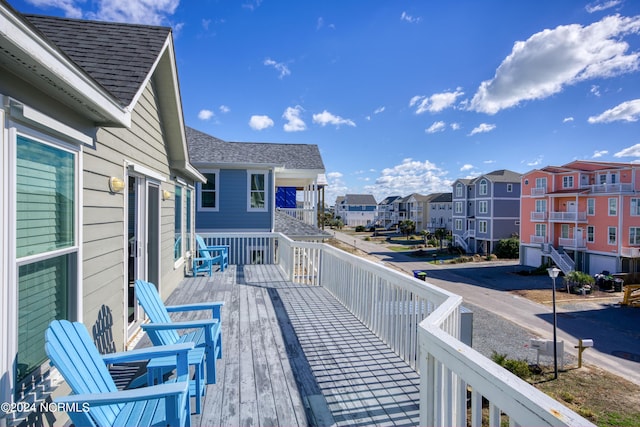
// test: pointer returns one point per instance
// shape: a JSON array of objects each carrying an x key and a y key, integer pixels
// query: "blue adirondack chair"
[
  {"x": 99, "y": 403},
  {"x": 208, "y": 256},
  {"x": 163, "y": 331}
]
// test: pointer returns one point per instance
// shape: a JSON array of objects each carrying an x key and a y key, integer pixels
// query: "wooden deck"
[{"x": 293, "y": 356}]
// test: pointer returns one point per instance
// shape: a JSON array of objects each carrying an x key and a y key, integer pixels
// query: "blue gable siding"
[{"x": 232, "y": 211}]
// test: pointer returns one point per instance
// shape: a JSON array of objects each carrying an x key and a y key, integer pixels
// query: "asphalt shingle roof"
[
  {"x": 205, "y": 148},
  {"x": 117, "y": 56},
  {"x": 360, "y": 199},
  {"x": 293, "y": 228}
]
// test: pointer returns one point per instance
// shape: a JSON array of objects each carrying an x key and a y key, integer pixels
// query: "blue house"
[
  {"x": 486, "y": 209},
  {"x": 257, "y": 187}
]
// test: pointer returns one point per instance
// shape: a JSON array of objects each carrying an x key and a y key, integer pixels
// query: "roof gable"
[{"x": 360, "y": 199}]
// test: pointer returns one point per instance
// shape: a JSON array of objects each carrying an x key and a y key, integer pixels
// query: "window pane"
[
  {"x": 178, "y": 222},
  {"x": 208, "y": 200},
  {"x": 43, "y": 296},
  {"x": 45, "y": 196},
  {"x": 188, "y": 236}
]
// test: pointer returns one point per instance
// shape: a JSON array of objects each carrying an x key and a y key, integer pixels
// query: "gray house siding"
[
  {"x": 232, "y": 212},
  {"x": 504, "y": 228},
  {"x": 506, "y": 208}
]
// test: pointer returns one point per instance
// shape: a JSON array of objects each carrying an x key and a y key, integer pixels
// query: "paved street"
[{"x": 614, "y": 329}]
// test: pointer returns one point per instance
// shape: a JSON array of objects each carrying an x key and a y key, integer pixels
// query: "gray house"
[
  {"x": 486, "y": 209},
  {"x": 97, "y": 184}
]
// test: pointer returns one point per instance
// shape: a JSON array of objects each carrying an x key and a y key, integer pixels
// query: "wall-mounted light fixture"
[
  {"x": 166, "y": 195},
  {"x": 116, "y": 185}
]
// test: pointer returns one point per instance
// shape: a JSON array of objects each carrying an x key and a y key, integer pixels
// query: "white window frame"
[
  {"x": 265, "y": 173},
  {"x": 637, "y": 235},
  {"x": 483, "y": 187},
  {"x": 592, "y": 233},
  {"x": 541, "y": 230},
  {"x": 65, "y": 142},
  {"x": 591, "y": 207},
  {"x": 459, "y": 188},
  {"x": 567, "y": 181},
  {"x": 509, "y": 188},
  {"x": 541, "y": 205},
  {"x": 612, "y": 206},
  {"x": 201, "y": 208},
  {"x": 634, "y": 205},
  {"x": 458, "y": 224},
  {"x": 541, "y": 182},
  {"x": 483, "y": 207},
  {"x": 458, "y": 207},
  {"x": 483, "y": 226},
  {"x": 180, "y": 210},
  {"x": 615, "y": 235}
]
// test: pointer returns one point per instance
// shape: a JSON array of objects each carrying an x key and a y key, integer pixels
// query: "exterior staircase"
[
  {"x": 461, "y": 242},
  {"x": 562, "y": 260}
]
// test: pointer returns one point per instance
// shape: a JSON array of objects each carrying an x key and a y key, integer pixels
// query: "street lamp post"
[{"x": 553, "y": 273}]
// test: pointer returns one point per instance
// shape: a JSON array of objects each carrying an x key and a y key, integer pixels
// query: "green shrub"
[
  {"x": 519, "y": 368},
  {"x": 508, "y": 248},
  {"x": 359, "y": 228}
]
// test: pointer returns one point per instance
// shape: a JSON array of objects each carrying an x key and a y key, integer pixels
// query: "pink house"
[{"x": 584, "y": 216}]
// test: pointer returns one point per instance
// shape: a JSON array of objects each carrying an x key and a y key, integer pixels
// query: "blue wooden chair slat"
[
  {"x": 163, "y": 331},
  {"x": 208, "y": 256},
  {"x": 71, "y": 350}
]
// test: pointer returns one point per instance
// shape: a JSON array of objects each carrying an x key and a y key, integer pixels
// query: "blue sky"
[{"x": 404, "y": 96}]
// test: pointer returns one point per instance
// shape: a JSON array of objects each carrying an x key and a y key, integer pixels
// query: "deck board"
[{"x": 293, "y": 356}]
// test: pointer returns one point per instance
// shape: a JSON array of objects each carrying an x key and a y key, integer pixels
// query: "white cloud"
[
  {"x": 567, "y": 119},
  {"x": 135, "y": 11},
  {"x": 408, "y": 18},
  {"x": 260, "y": 122},
  {"x": 205, "y": 114},
  {"x": 336, "y": 187},
  {"x": 68, "y": 6},
  {"x": 628, "y": 111},
  {"x": 466, "y": 167},
  {"x": 379, "y": 110},
  {"x": 482, "y": 128},
  {"x": 633, "y": 151},
  {"x": 410, "y": 176},
  {"x": 598, "y": 7},
  {"x": 224, "y": 109},
  {"x": 294, "y": 122},
  {"x": 595, "y": 90},
  {"x": 455, "y": 126},
  {"x": 436, "y": 127},
  {"x": 252, "y": 4},
  {"x": 599, "y": 153},
  {"x": 552, "y": 59},
  {"x": 326, "y": 118},
  {"x": 279, "y": 66},
  {"x": 535, "y": 162},
  {"x": 436, "y": 102}
]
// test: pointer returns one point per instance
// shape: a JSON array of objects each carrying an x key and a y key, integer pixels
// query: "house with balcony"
[
  {"x": 385, "y": 212},
  {"x": 486, "y": 209},
  {"x": 356, "y": 209},
  {"x": 438, "y": 212},
  {"x": 97, "y": 187},
  {"x": 584, "y": 216},
  {"x": 257, "y": 186}
]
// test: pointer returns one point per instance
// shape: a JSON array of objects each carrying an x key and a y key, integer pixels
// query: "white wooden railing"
[
  {"x": 568, "y": 216},
  {"x": 562, "y": 260},
  {"x": 421, "y": 323}
]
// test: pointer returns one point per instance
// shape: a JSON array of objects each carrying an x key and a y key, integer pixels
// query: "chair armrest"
[
  {"x": 153, "y": 392},
  {"x": 202, "y": 323},
  {"x": 195, "y": 306},
  {"x": 147, "y": 353}
]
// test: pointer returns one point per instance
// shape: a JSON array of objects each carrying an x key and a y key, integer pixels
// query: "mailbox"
[
  {"x": 540, "y": 345},
  {"x": 586, "y": 343}
]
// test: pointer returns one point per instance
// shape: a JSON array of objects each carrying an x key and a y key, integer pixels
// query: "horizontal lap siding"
[{"x": 104, "y": 213}]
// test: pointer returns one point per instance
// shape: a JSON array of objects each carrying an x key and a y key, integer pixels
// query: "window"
[
  {"x": 483, "y": 187},
  {"x": 591, "y": 233},
  {"x": 613, "y": 206},
  {"x": 187, "y": 241},
  {"x": 209, "y": 192},
  {"x": 635, "y": 207},
  {"x": 541, "y": 182},
  {"x": 458, "y": 224},
  {"x": 634, "y": 235},
  {"x": 612, "y": 231},
  {"x": 564, "y": 231},
  {"x": 591, "y": 206},
  {"x": 567, "y": 182},
  {"x": 46, "y": 243},
  {"x": 509, "y": 188},
  {"x": 541, "y": 205},
  {"x": 482, "y": 226},
  {"x": 257, "y": 191},
  {"x": 603, "y": 179},
  {"x": 459, "y": 190},
  {"x": 614, "y": 178},
  {"x": 177, "y": 244},
  {"x": 483, "y": 207},
  {"x": 541, "y": 230}
]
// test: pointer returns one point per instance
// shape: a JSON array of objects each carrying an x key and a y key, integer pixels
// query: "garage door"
[
  {"x": 532, "y": 256},
  {"x": 600, "y": 263}
]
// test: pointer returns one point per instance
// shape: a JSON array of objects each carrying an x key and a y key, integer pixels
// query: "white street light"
[{"x": 553, "y": 273}]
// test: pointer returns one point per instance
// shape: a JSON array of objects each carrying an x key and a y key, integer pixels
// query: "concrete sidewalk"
[{"x": 614, "y": 329}]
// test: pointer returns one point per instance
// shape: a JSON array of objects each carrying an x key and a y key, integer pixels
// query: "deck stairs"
[{"x": 562, "y": 260}]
